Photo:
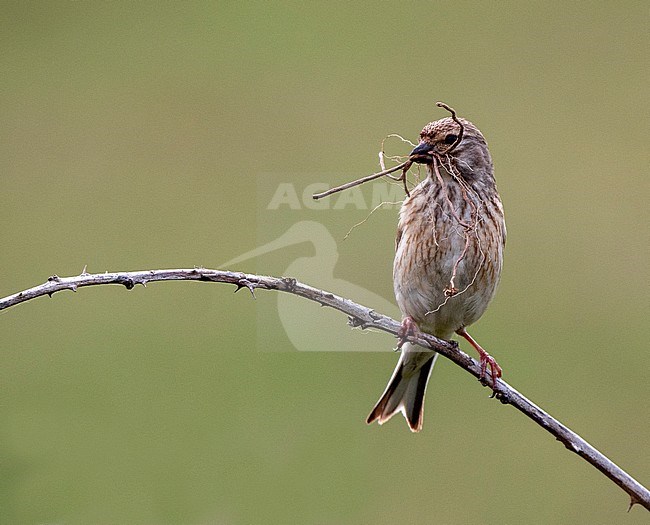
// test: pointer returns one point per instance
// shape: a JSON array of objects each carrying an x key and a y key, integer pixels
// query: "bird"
[{"x": 448, "y": 258}]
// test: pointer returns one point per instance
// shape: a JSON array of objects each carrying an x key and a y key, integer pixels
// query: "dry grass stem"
[
  {"x": 348, "y": 185},
  {"x": 455, "y": 118},
  {"x": 383, "y": 203}
]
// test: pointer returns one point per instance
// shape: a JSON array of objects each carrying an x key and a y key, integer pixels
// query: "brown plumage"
[{"x": 448, "y": 260}]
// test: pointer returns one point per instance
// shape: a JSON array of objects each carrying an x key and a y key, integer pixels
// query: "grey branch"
[{"x": 359, "y": 316}]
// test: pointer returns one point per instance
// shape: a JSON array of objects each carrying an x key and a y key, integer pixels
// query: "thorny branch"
[{"x": 359, "y": 316}]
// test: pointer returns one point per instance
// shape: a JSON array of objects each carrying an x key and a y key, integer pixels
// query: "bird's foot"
[
  {"x": 485, "y": 361},
  {"x": 495, "y": 369},
  {"x": 408, "y": 329}
]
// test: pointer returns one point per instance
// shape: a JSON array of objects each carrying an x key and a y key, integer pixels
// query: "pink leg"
[
  {"x": 485, "y": 358},
  {"x": 408, "y": 328}
]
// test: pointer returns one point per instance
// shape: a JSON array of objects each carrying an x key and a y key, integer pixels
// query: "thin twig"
[
  {"x": 359, "y": 316},
  {"x": 407, "y": 166},
  {"x": 404, "y": 166},
  {"x": 384, "y": 203},
  {"x": 357, "y": 182},
  {"x": 455, "y": 119}
]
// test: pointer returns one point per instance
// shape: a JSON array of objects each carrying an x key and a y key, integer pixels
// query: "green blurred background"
[{"x": 138, "y": 136}]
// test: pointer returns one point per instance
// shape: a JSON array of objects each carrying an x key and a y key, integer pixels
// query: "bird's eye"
[{"x": 451, "y": 138}]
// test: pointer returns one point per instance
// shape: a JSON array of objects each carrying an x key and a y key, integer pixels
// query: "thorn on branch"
[
  {"x": 245, "y": 283},
  {"x": 633, "y": 501},
  {"x": 569, "y": 445},
  {"x": 504, "y": 398},
  {"x": 355, "y": 322},
  {"x": 127, "y": 282},
  {"x": 289, "y": 283}
]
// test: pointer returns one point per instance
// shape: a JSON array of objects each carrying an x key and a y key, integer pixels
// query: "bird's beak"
[{"x": 422, "y": 153}]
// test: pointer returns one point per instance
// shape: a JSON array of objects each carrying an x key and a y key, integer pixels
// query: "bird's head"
[{"x": 455, "y": 139}]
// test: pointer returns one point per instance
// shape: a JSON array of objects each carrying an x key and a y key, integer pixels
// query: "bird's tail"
[{"x": 405, "y": 392}]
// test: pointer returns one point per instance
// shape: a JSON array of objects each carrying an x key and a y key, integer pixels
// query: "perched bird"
[{"x": 448, "y": 260}]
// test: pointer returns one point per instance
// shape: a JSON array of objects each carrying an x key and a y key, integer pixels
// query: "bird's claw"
[
  {"x": 485, "y": 361},
  {"x": 495, "y": 370},
  {"x": 406, "y": 330}
]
